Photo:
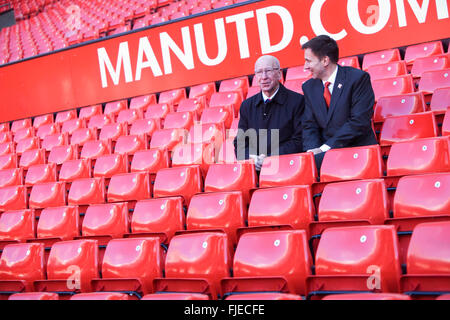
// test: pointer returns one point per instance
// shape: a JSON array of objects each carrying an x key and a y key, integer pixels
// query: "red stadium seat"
[
  {"x": 179, "y": 181},
  {"x": 350, "y": 62},
  {"x": 8, "y": 161},
  {"x": 432, "y": 80},
  {"x": 422, "y": 50},
  {"x": 129, "y": 116},
  {"x": 380, "y": 57},
  {"x": 100, "y": 296},
  {"x": 41, "y": 173},
  {"x": 207, "y": 133},
  {"x": 419, "y": 156},
  {"x": 13, "y": 198},
  {"x": 226, "y": 152},
  {"x": 393, "y": 86},
  {"x": 201, "y": 154},
  {"x": 427, "y": 261},
  {"x": 218, "y": 210},
  {"x": 218, "y": 115},
  {"x": 264, "y": 296},
  {"x": 172, "y": 96},
  {"x": 34, "y": 296},
  {"x": 298, "y": 72},
  {"x": 130, "y": 144},
  {"x": 150, "y": 161},
  {"x": 42, "y": 120},
  {"x": 408, "y": 127},
  {"x": 183, "y": 120},
  {"x": 275, "y": 261},
  {"x": 71, "y": 125},
  {"x": 367, "y": 296},
  {"x": 142, "y": 102},
  {"x": 47, "y": 129},
  {"x": 144, "y": 126},
  {"x": 75, "y": 169},
  {"x": 196, "y": 105},
  {"x": 27, "y": 144},
  {"x": 90, "y": 111},
  {"x": 82, "y": 135},
  {"x": 167, "y": 138},
  {"x": 375, "y": 263},
  {"x": 352, "y": 163},
  {"x": 11, "y": 177},
  {"x": 6, "y": 137},
  {"x": 220, "y": 99},
  {"x": 7, "y": 148},
  {"x": 108, "y": 165},
  {"x": 113, "y": 131},
  {"x": 295, "y": 84},
  {"x": 70, "y": 268},
  {"x": 387, "y": 70},
  {"x": 204, "y": 89},
  {"x": 440, "y": 100},
  {"x": 158, "y": 111},
  {"x": 175, "y": 296},
  {"x": 195, "y": 263},
  {"x": 61, "y": 154},
  {"x": 240, "y": 176},
  {"x": 446, "y": 124},
  {"x": 106, "y": 221},
  {"x": 280, "y": 206},
  {"x": 432, "y": 63},
  {"x": 163, "y": 216},
  {"x": 49, "y": 194},
  {"x": 100, "y": 120},
  {"x": 20, "y": 265},
  {"x": 64, "y": 116},
  {"x": 239, "y": 84},
  {"x": 24, "y": 133},
  {"x": 17, "y": 226},
  {"x": 87, "y": 191},
  {"x": 95, "y": 148},
  {"x": 20, "y": 124},
  {"x": 129, "y": 187},
  {"x": 113, "y": 108},
  {"x": 403, "y": 104},
  {"x": 58, "y": 224},
  {"x": 289, "y": 169},
  {"x": 54, "y": 140},
  {"x": 131, "y": 265}
]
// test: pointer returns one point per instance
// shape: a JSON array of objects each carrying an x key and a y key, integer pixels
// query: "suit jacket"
[
  {"x": 347, "y": 122},
  {"x": 284, "y": 112}
]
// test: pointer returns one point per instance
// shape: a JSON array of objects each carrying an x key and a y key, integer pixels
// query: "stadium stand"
[{"x": 144, "y": 199}]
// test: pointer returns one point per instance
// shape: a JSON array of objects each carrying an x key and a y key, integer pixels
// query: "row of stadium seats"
[{"x": 264, "y": 261}]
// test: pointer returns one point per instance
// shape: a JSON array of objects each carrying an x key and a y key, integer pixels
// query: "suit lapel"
[{"x": 337, "y": 91}]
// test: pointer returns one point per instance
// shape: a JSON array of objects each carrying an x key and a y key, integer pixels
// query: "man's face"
[
  {"x": 315, "y": 65},
  {"x": 268, "y": 76}
]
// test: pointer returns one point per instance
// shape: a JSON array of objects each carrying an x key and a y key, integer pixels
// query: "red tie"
[{"x": 327, "y": 94}]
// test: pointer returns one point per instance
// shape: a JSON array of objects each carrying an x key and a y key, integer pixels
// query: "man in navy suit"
[{"x": 338, "y": 101}]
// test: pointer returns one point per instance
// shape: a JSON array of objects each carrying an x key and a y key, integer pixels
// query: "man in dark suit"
[
  {"x": 270, "y": 122},
  {"x": 338, "y": 101}
]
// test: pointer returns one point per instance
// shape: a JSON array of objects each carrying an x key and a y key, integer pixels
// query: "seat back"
[
  {"x": 393, "y": 86},
  {"x": 432, "y": 80},
  {"x": 59, "y": 155},
  {"x": 440, "y": 99},
  {"x": 421, "y": 50},
  {"x": 41, "y": 173},
  {"x": 87, "y": 191},
  {"x": 399, "y": 105},
  {"x": 75, "y": 169},
  {"x": 48, "y": 194},
  {"x": 129, "y": 187},
  {"x": 18, "y": 225},
  {"x": 13, "y": 198},
  {"x": 11, "y": 177},
  {"x": 108, "y": 165},
  {"x": 106, "y": 219},
  {"x": 150, "y": 160},
  {"x": 380, "y": 57}
]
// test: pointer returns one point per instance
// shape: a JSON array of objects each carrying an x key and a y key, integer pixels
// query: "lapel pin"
[{"x": 340, "y": 85}]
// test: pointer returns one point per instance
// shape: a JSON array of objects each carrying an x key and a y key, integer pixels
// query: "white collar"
[
  {"x": 331, "y": 79},
  {"x": 266, "y": 97}
]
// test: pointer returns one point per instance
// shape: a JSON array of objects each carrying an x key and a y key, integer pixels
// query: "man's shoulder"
[{"x": 352, "y": 72}]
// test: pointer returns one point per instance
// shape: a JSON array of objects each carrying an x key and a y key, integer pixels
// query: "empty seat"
[
  {"x": 75, "y": 169},
  {"x": 87, "y": 191},
  {"x": 175, "y": 296},
  {"x": 82, "y": 135},
  {"x": 295, "y": 84},
  {"x": 207, "y": 133},
  {"x": 90, "y": 111},
  {"x": 289, "y": 169},
  {"x": 130, "y": 144},
  {"x": 34, "y": 296},
  {"x": 99, "y": 121},
  {"x": 54, "y": 140},
  {"x": 48, "y": 194},
  {"x": 432, "y": 80},
  {"x": 264, "y": 296},
  {"x": 64, "y": 116},
  {"x": 131, "y": 265},
  {"x": 172, "y": 96},
  {"x": 13, "y": 198},
  {"x": 204, "y": 89},
  {"x": 446, "y": 124},
  {"x": 113, "y": 131},
  {"x": 58, "y": 224},
  {"x": 427, "y": 261},
  {"x": 113, "y": 108},
  {"x": 240, "y": 176},
  {"x": 24, "y": 133},
  {"x": 17, "y": 226},
  {"x": 144, "y": 126},
  {"x": 387, "y": 70},
  {"x": 61, "y": 154},
  {"x": 218, "y": 114},
  {"x": 11, "y": 177},
  {"x": 20, "y": 265},
  {"x": 108, "y": 165},
  {"x": 8, "y": 161},
  {"x": 6, "y": 136},
  {"x": 201, "y": 154},
  {"x": 408, "y": 127},
  {"x": 41, "y": 173},
  {"x": 288, "y": 205},
  {"x": 393, "y": 86},
  {"x": 297, "y": 72},
  {"x": 167, "y": 138},
  {"x": 196, "y": 105},
  {"x": 275, "y": 261},
  {"x": 220, "y": 99},
  {"x": 163, "y": 216},
  {"x": 129, "y": 187},
  {"x": 196, "y": 262},
  {"x": 47, "y": 129},
  {"x": 158, "y": 111},
  {"x": 129, "y": 116},
  {"x": 70, "y": 268},
  {"x": 106, "y": 221},
  {"x": 217, "y": 210},
  {"x": 352, "y": 163},
  {"x": 373, "y": 253},
  {"x": 179, "y": 181},
  {"x": 226, "y": 152},
  {"x": 7, "y": 148},
  {"x": 399, "y": 105},
  {"x": 421, "y": 50},
  {"x": 183, "y": 120},
  {"x": 240, "y": 84},
  {"x": 142, "y": 102},
  {"x": 27, "y": 144},
  {"x": 150, "y": 161},
  {"x": 349, "y": 62},
  {"x": 20, "y": 124},
  {"x": 440, "y": 99},
  {"x": 367, "y": 296},
  {"x": 100, "y": 296},
  {"x": 42, "y": 120},
  {"x": 380, "y": 57},
  {"x": 419, "y": 156},
  {"x": 431, "y": 63}
]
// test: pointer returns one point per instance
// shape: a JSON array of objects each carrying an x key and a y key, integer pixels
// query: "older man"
[{"x": 270, "y": 122}]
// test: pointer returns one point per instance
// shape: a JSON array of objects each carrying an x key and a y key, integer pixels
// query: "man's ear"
[{"x": 326, "y": 61}]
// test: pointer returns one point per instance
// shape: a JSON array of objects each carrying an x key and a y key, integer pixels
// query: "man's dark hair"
[{"x": 323, "y": 46}]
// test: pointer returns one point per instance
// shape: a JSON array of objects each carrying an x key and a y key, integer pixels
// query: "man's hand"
[{"x": 315, "y": 151}]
